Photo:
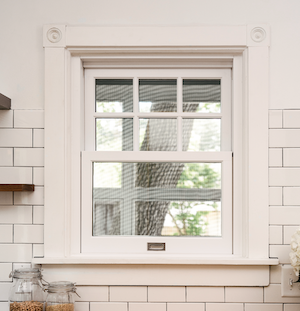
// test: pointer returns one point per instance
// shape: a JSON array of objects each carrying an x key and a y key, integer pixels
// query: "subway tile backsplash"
[{"x": 22, "y": 219}]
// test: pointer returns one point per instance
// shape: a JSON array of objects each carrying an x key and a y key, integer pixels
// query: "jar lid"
[
  {"x": 61, "y": 286},
  {"x": 26, "y": 273}
]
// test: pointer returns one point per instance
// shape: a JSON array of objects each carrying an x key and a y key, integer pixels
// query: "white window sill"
[
  {"x": 157, "y": 259},
  {"x": 119, "y": 270}
]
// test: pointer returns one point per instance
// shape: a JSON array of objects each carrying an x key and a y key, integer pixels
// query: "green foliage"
[
  {"x": 200, "y": 175},
  {"x": 187, "y": 222}
]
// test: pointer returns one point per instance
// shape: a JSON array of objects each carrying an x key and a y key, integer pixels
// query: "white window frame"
[
  {"x": 69, "y": 49},
  {"x": 188, "y": 245}
]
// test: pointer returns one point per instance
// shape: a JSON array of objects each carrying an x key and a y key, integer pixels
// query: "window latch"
[{"x": 156, "y": 247}]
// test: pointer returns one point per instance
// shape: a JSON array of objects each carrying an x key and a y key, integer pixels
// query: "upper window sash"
[{"x": 179, "y": 74}]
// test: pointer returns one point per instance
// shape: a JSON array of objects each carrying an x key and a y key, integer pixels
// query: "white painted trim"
[
  {"x": 164, "y": 275},
  {"x": 177, "y": 259},
  {"x": 156, "y": 36},
  {"x": 63, "y": 64},
  {"x": 258, "y": 100},
  {"x": 55, "y": 138}
]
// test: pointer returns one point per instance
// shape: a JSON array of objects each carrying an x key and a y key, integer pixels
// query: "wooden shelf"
[
  {"x": 16, "y": 187},
  {"x": 5, "y": 102}
]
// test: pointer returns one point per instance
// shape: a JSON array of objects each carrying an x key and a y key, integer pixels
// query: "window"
[
  {"x": 167, "y": 57},
  {"x": 160, "y": 165}
]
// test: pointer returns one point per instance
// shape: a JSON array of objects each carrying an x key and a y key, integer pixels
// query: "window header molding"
[
  {"x": 164, "y": 36},
  {"x": 71, "y": 49}
]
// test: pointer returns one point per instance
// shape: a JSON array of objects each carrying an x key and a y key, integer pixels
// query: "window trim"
[{"x": 68, "y": 48}]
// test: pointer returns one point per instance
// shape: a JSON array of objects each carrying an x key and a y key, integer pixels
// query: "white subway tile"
[
  {"x": 243, "y": 294},
  {"x": 38, "y": 250},
  {"x": 6, "y": 157},
  {"x": 224, "y": 307},
  {"x": 21, "y": 265},
  {"x": 15, "y": 175},
  {"x": 109, "y": 306},
  {"x": 38, "y": 138},
  {"x": 6, "y": 118},
  {"x": 288, "y": 232},
  {"x": 147, "y": 306},
  {"x": 15, "y": 252},
  {"x": 205, "y": 294},
  {"x": 281, "y": 252},
  {"x": 35, "y": 197},
  {"x": 38, "y": 176},
  {"x": 29, "y": 118},
  {"x": 291, "y": 157},
  {"x": 4, "y": 306},
  {"x": 166, "y": 294},
  {"x": 6, "y": 198},
  {"x": 275, "y": 157},
  {"x": 15, "y": 138},
  {"x": 291, "y": 195},
  {"x": 38, "y": 215},
  {"x": 291, "y": 118},
  {"x": 263, "y": 307},
  {"x": 5, "y": 269},
  {"x": 275, "y": 234},
  {"x": 185, "y": 306},
  {"x": 128, "y": 293},
  {"x": 275, "y": 118},
  {"x": 284, "y": 215},
  {"x": 29, "y": 156},
  {"x": 4, "y": 290},
  {"x": 275, "y": 274},
  {"x": 15, "y": 214},
  {"x": 92, "y": 293},
  {"x": 284, "y": 138},
  {"x": 284, "y": 177},
  {"x": 292, "y": 307},
  {"x": 82, "y": 306},
  {"x": 6, "y": 233},
  {"x": 29, "y": 234},
  {"x": 275, "y": 195},
  {"x": 272, "y": 293}
]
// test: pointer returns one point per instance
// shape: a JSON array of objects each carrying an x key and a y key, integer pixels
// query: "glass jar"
[
  {"x": 27, "y": 291},
  {"x": 60, "y": 296}
]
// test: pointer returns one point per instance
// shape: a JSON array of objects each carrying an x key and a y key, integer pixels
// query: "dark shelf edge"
[
  {"x": 16, "y": 187},
  {"x": 5, "y": 102}
]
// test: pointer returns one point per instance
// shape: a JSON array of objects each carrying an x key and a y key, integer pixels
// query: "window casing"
[{"x": 75, "y": 49}]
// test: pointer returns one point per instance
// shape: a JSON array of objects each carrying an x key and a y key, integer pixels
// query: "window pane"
[
  {"x": 157, "y": 95},
  {"x": 114, "y": 134},
  {"x": 201, "y": 134},
  {"x": 107, "y": 175},
  {"x": 157, "y": 199},
  {"x": 190, "y": 218},
  {"x": 201, "y": 95},
  {"x": 114, "y": 95},
  {"x": 158, "y": 134}
]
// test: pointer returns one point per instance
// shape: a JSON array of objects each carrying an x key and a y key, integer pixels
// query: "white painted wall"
[
  {"x": 21, "y": 136},
  {"x": 21, "y": 52}
]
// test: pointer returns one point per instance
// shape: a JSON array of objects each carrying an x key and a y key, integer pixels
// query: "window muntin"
[{"x": 160, "y": 130}]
